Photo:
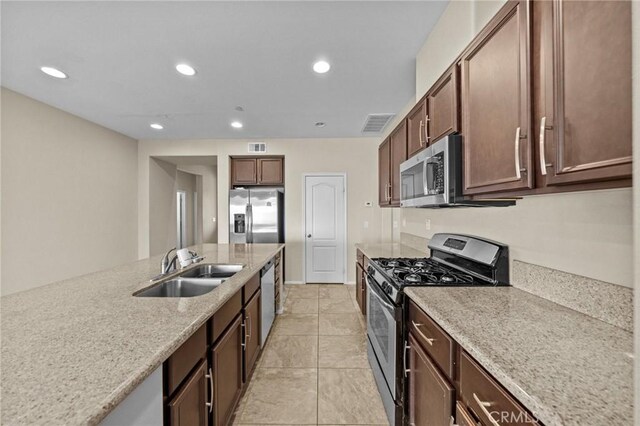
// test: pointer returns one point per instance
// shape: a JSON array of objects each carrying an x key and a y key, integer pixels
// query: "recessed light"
[
  {"x": 320, "y": 124},
  {"x": 321, "y": 67},
  {"x": 185, "y": 69},
  {"x": 156, "y": 126},
  {"x": 236, "y": 125},
  {"x": 53, "y": 72}
]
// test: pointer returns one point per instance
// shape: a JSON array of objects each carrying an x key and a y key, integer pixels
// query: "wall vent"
[
  {"x": 375, "y": 123},
  {"x": 257, "y": 147}
]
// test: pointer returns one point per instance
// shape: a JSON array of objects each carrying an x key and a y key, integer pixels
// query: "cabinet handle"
[
  {"x": 543, "y": 158},
  {"x": 519, "y": 169},
  {"x": 483, "y": 406},
  {"x": 404, "y": 360},
  {"x": 244, "y": 341},
  {"x": 250, "y": 328},
  {"x": 426, "y": 135},
  {"x": 210, "y": 377},
  {"x": 417, "y": 326},
  {"x": 420, "y": 132}
]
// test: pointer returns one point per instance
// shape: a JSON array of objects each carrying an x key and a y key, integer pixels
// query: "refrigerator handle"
[{"x": 249, "y": 223}]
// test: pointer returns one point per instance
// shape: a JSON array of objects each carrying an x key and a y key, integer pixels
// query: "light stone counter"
[
  {"x": 389, "y": 250},
  {"x": 565, "y": 367},
  {"x": 72, "y": 350}
]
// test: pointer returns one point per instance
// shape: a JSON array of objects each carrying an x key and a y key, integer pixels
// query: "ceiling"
[{"x": 121, "y": 57}]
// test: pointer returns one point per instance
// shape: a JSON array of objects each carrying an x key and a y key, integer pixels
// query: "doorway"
[{"x": 325, "y": 228}]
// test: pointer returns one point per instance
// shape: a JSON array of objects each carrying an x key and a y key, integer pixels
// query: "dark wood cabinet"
[
  {"x": 252, "y": 328},
  {"x": 189, "y": 406},
  {"x": 398, "y": 148},
  {"x": 496, "y": 103},
  {"x": 384, "y": 170},
  {"x": 443, "y": 107},
  {"x": 251, "y": 171},
  {"x": 417, "y": 128},
  {"x": 270, "y": 171},
  {"x": 582, "y": 90},
  {"x": 244, "y": 171},
  {"x": 226, "y": 358},
  {"x": 391, "y": 153},
  {"x": 430, "y": 398},
  {"x": 360, "y": 289}
]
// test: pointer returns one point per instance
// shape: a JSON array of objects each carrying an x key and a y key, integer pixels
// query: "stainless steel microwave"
[{"x": 433, "y": 178}]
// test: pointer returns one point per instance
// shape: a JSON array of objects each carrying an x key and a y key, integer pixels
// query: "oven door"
[{"x": 383, "y": 321}]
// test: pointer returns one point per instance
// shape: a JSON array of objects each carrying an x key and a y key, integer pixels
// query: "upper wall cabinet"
[
  {"x": 442, "y": 106},
  {"x": 391, "y": 153},
  {"x": 496, "y": 105},
  {"x": 384, "y": 173},
  {"x": 257, "y": 171},
  {"x": 582, "y": 90},
  {"x": 417, "y": 128}
]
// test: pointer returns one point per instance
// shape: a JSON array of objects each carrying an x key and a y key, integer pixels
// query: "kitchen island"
[{"x": 73, "y": 350}]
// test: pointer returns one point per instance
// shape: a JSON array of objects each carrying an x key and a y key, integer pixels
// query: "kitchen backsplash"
[
  {"x": 607, "y": 302},
  {"x": 414, "y": 241}
]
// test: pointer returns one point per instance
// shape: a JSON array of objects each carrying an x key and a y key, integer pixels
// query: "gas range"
[{"x": 456, "y": 260}]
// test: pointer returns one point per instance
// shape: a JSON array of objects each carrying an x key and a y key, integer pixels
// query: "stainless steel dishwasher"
[{"x": 267, "y": 287}]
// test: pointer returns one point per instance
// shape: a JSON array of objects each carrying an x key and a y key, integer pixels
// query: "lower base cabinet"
[
  {"x": 226, "y": 358},
  {"x": 430, "y": 396},
  {"x": 190, "y": 405},
  {"x": 252, "y": 328}
]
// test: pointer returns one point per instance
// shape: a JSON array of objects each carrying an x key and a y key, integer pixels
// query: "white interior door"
[{"x": 325, "y": 228}]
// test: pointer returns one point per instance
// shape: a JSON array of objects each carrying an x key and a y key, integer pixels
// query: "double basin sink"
[{"x": 194, "y": 282}]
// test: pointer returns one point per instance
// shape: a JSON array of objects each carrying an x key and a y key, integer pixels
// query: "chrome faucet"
[{"x": 168, "y": 264}]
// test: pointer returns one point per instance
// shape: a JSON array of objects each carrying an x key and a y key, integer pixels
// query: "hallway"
[{"x": 314, "y": 368}]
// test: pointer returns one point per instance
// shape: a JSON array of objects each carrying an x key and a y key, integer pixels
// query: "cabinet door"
[
  {"x": 252, "y": 327},
  {"x": 270, "y": 171},
  {"x": 227, "y": 372},
  {"x": 430, "y": 399},
  {"x": 398, "y": 141},
  {"x": 442, "y": 106},
  {"x": 360, "y": 288},
  {"x": 417, "y": 128},
  {"x": 495, "y": 105},
  {"x": 189, "y": 406},
  {"x": 244, "y": 171},
  {"x": 583, "y": 92},
  {"x": 384, "y": 166}
]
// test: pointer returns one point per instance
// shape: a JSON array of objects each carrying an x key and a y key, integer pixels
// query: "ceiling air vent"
[
  {"x": 257, "y": 147},
  {"x": 375, "y": 123}
]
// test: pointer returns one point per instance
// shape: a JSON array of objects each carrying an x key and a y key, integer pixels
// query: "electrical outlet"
[
  {"x": 395, "y": 224},
  {"x": 427, "y": 224},
  {"x": 214, "y": 220},
  {"x": 366, "y": 224},
  {"x": 368, "y": 204},
  {"x": 404, "y": 223}
]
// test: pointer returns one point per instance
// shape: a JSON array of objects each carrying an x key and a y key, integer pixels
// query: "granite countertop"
[
  {"x": 73, "y": 350},
  {"x": 567, "y": 368},
  {"x": 389, "y": 250}
]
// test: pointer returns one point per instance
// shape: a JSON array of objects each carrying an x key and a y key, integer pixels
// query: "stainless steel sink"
[
  {"x": 181, "y": 287},
  {"x": 212, "y": 270}
]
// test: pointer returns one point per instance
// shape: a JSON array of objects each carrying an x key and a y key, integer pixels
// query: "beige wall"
[
  {"x": 68, "y": 195},
  {"x": 356, "y": 157},
  {"x": 587, "y": 233},
  {"x": 187, "y": 182},
  {"x": 636, "y": 193}
]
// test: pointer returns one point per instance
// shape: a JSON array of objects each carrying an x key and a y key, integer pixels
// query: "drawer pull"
[
  {"x": 210, "y": 377},
  {"x": 417, "y": 327},
  {"x": 404, "y": 360},
  {"x": 483, "y": 406}
]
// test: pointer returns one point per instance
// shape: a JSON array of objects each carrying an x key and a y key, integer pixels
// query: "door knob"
[{"x": 309, "y": 236}]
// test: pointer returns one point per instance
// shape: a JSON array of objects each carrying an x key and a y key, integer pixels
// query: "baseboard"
[
  {"x": 293, "y": 282},
  {"x": 350, "y": 283}
]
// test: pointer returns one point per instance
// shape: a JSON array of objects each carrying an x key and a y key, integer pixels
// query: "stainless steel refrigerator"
[{"x": 256, "y": 215}]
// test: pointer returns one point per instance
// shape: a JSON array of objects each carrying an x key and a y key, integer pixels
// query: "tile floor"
[{"x": 314, "y": 368}]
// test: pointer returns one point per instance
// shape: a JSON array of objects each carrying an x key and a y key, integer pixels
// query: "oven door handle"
[{"x": 374, "y": 291}]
